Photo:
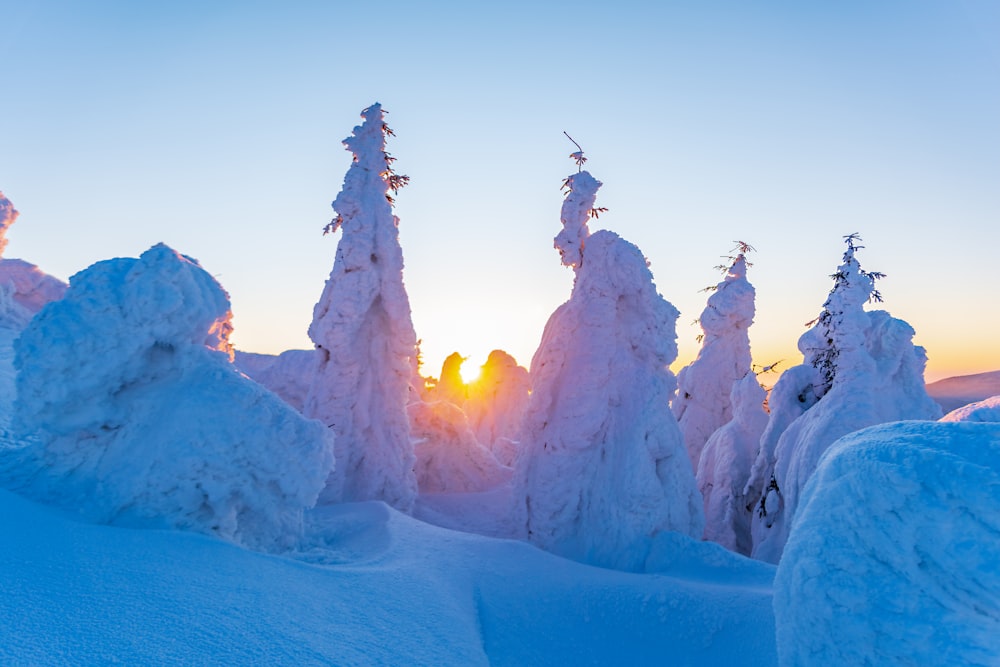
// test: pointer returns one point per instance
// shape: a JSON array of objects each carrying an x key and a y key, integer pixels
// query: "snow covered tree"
[
  {"x": 449, "y": 459},
  {"x": 863, "y": 369},
  {"x": 363, "y": 331},
  {"x": 602, "y": 468},
  {"x": 25, "y": 288},
  {"x": 133, "y": 414},
  {"x": 496, "y": 404},
  {"x": 8, "y": 215},
  {"x": 724, "y": 467},
  {"x": 702, "y": 402}
]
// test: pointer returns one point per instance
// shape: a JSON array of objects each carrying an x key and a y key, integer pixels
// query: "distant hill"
[{"x": 955, "y": 392}]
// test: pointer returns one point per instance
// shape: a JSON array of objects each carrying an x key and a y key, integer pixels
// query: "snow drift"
[
  {"x": 893, "y": 555},
  {"x": 133, "y": 414},
  {"x": 364, "y": 336},
  {"x": 602, "y": 468}
]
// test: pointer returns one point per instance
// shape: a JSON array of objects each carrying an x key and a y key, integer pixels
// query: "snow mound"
[
  {"x": 449, "y": 459},
  {"x": 132, "y": 413},
  {"x": 602, "y": 469},
  {"x": 893, "y": 555},
  {"x": 987, "y": 410},
  {"x": 288, "y": 375}
]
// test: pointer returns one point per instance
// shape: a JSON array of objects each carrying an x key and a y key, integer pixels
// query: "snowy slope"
[
  {"x": 383, "y": 589},
  {"x": 955, "y": 392}
]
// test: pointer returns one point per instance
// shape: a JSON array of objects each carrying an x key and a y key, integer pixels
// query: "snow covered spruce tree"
[
  {"x": 862, "y": 369},
  {"x": 496, "y": 404},
  {"x": 133, "y": 414},
  {"x": 363, "y": 331},
  {"x": 602, "y": 469},
  {"x": 702, "y": 402}
]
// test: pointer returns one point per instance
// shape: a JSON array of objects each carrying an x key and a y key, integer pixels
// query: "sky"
[{"x": 216, "y": 128}]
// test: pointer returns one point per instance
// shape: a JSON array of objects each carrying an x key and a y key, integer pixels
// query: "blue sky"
[{"x": 216, "y": 128}]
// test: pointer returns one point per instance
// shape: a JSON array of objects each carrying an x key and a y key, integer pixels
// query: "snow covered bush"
[
  {"x": 724, "y": 467},
  {"x": 449, "y": 459},
  {"x": 702, "y": 403},
  {"x": 496, "y": 403},
  {"x": 362, "y": 329},
  {"x": 133, "y": 414},
  {"x": 865, "y": 371},
  {"x": 892, "y": 559},
  {"x": 602, "y": 468}
]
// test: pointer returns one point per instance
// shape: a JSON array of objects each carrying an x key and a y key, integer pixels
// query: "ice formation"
[
  {"x": 892, "y": 559},
  {"x": 449, "y": 459},
  {"x": 24, "y": 288},
  {"x": 702, "y": 403},
  {"x": 133, "y": 413},
  {"x": 496, "y": 404},
  {"x": 986, "y": 410},
  {"x": 602, "y": 468},
  {"x": 866, "y": 371},
  {"x": 362, "y": 329},
  {"x": 288, "y": 374},
  {"x": 724, "y": 467}
]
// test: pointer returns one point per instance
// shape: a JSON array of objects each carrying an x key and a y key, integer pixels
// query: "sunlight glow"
[{"x": 470, "y": 370}]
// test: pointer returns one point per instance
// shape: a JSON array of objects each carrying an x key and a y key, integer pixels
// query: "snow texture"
[
  {"x": 987, "y": 410},
  {"x": 496, "y": 403},
  {"x": 868, "y": 372},
  {"x": 602, "y": 470},
  {"x": 130, "y": 412},
  {"x": 449, "y": 459},
  {"x": 363, "y": 331},
  {"x": 724, "y": 468},
  {"x": 288, "y": 374},
  {"x": 702, "y": 403},
  {"x": 581, "y": 193},
  {"x": 893, "y": 556}
]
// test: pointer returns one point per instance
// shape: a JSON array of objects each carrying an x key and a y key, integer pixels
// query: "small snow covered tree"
[
  {"x": 133, "y": 414},
  {"x": 362, "y": 328},
  {"x": 724, "y": 467},
  {"x": 702, "y": 402},
  {"x": 602, "y": 468},
  {"x": 861, "y": 368}
]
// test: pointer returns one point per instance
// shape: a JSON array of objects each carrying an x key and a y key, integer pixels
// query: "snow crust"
[
  {"x": 724, "y": 467},
  {"x": 602, "y": 468},
  {"x": 893, "y": 555},
  {"x": 987, "y": 410},
  {"x": 364, "y": 335},
  {"x": 702, "y": 404},
  {"x": 128, "y": 411},
  {"x": 866, "y": 371}
]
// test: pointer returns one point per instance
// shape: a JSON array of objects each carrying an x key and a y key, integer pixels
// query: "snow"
[
  {"x": 602, "y": 468},
  {"x": 893, "y": 555},
  {"x": 724, "y": 467},
  {"x": 987, "y": 410},
  {"x": 128, "y": 411},
  {"x": 288, "y": 374},
  {"x": 702, "y": 403},
  {"x": 8, "y": 215},
  {"x": 362, "y": 329},
  {"x": 954, "y": 392},
  {"x": 496, "y": 404},
  {"x": 867, "y": 372}
]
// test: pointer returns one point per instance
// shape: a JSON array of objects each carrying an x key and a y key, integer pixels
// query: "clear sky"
[{"x": 216, "y": 128}]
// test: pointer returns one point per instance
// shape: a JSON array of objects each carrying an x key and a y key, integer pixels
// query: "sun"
[{"x": 469, "y": 370}]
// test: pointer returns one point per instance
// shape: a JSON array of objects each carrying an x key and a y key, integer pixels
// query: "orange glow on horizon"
[{"x": 470, "y": 371}]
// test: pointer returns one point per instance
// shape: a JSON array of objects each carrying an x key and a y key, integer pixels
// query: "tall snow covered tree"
[
  {"x": 702, "y": 403},
  {"x": 363, "y": 331},
  {"x": 602, "y": 469},
  {"x": 864, "y": 370}
]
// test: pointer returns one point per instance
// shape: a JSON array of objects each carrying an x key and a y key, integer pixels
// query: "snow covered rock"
[
  {"x": 866, "y": 371},
  {"x": 602, "y": 469},
  {"x": 702, "y": 403},
  {"x": 724, "y": 468},
  {"x": 132, "y": 413},
  {"x": 449, "y": 459},
  {"x": 987, "y": 410},
  {"x": 892, "y": 559},
  {"x": 362, "y": 329},
  {"x": 496, "y": 403}
]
